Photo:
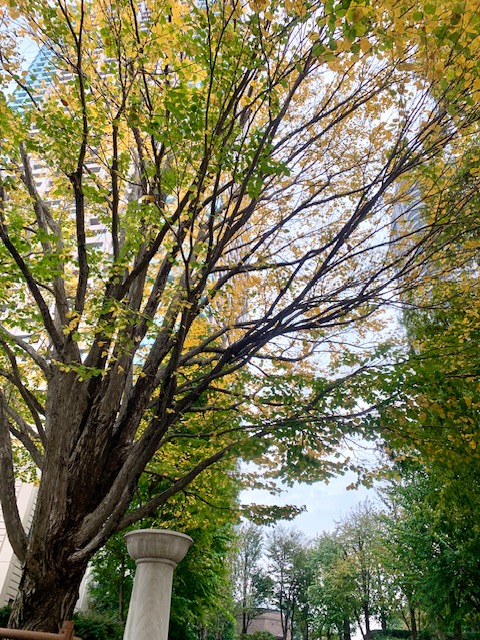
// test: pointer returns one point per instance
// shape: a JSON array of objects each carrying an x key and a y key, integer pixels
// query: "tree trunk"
[
  {"x": 70, "y": 491},
  {"x": 347, "y": 634},
  {"x": 383, "y": 620},
  {"x": 244, "y": 623},
  {"x": 46, "y": 597},
  {"x": 413, "y": 623},
  {"x": 457, "y": 630},
  {"x": 366, "y": 615},
  {"x": 121, "y": 596}
]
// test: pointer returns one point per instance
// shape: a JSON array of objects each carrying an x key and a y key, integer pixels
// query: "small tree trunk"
[
  {"x": 413, "y": 623},
  {"x": 347, "y": 634},
  {"x": 383, "y": 620},
  {"x": 366, "y": 615},
  {"x": 121, "y": 597},
  {"x": 244, "y": 623}
]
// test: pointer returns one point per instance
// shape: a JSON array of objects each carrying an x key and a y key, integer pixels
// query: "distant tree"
[
  {"x": 112, "y": 578},
  {"x": 252, "y": 585},
  {"x": 331, "y": 593},
  {"x": 362, "y": 537},
  {"x": 286, "y": 557},
  {"x": 304, "y": 616}
]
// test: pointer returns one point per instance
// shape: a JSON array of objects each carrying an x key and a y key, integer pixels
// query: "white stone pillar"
[{"x": 156, "y": 553}]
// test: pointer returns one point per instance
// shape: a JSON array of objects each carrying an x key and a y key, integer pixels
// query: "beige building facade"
[{"x": 10, "y": 568}]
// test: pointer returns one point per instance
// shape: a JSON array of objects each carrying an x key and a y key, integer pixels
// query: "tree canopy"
[{"x": 196, "y": 207}]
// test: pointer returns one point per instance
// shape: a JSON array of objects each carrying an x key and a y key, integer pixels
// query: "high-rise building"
[
  {"x": 38, "y": 75},
  {"x": 10, "y": 569}
]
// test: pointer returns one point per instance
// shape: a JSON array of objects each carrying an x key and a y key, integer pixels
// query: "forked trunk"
[{"x": 69, "y": 492}]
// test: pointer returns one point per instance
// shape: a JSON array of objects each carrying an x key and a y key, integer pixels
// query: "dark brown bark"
[
  {"x": 346, "y": 634},
  {"x": 47, "y": 595},
  {"x": 413, "y": 622}
]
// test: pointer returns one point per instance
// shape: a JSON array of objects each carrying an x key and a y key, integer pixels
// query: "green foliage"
[
  {"x": 330, "y": 592},
  {"x": 352, "y": 585},
  {"x": 432, "y": 429},
  {"x": 435, "y": 537},
  {"x": 4, "y": 615},
  {"x": 426, "y": 634},
  {"x": 92, "y": 625},
  {"x": 112, "y": 579},
  {"x": 200, "y": 598},
  {"x": 257, "y": 635},
  {"x": 390, "y": 633}
]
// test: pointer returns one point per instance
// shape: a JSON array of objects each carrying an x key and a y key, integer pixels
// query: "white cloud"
[{"x": 325, "y": 504}]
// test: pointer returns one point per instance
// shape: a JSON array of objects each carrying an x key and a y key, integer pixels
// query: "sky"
[{"x": 326, "y": 504}]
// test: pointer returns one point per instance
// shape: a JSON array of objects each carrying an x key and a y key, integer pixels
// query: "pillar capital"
[{"x": 158, "y": 544}]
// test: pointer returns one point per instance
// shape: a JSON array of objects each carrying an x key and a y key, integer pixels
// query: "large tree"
[
  {"x": 240, "y": 162},
  {"x": 434, "y": 534},
  {"x": 433, "y": 435}
]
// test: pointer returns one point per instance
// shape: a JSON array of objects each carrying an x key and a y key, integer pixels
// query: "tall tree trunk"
[
  {"x": 47, "y": 596},
  {"x": 73, "y": 484}
]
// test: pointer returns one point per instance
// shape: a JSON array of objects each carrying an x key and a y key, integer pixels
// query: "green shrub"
[
  {"x": 385, "y": 634},
  {"x": 257, "y": 635},
  {"x": 427, "y": 634},
  {"x": 91, "y": 625},
  {"x": 4, "y": 615}
]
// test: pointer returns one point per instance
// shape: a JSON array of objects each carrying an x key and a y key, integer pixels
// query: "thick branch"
[
  {"x": 33, "y": 288},
  {"x": 8, "y": 499},
  {"x": 45, "y": 222}
]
